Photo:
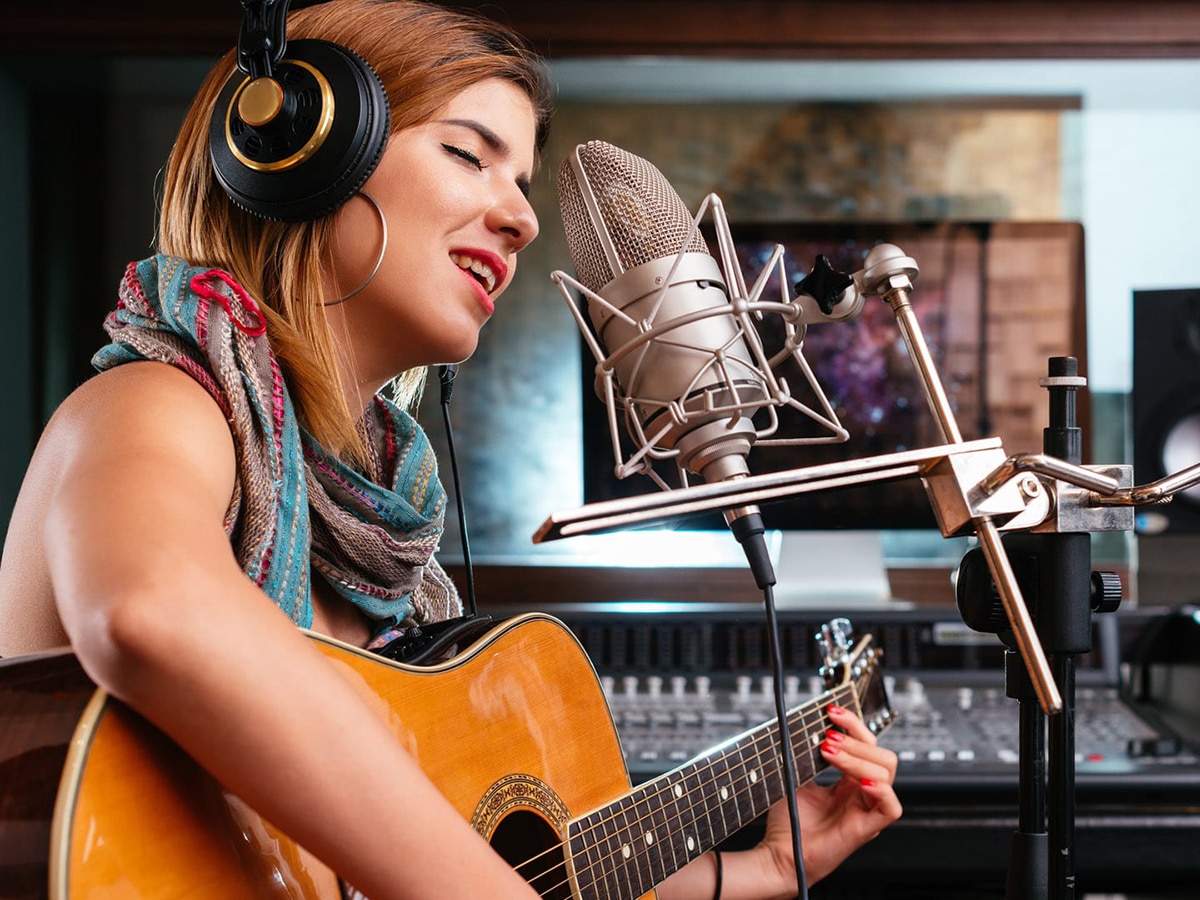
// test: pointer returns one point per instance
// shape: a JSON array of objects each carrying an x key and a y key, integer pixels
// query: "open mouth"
[{"x": 477, "y": 268}]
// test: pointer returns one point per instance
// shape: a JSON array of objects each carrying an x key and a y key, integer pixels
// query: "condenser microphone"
[
  {"x": 682, "y": 364},
  {"x": 633, "y": 242}
]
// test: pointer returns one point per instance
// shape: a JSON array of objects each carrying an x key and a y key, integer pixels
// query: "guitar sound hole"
[{"x": 528, "y": 843}]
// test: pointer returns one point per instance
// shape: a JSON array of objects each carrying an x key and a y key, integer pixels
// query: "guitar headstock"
[{"x": 858, "y": 665}]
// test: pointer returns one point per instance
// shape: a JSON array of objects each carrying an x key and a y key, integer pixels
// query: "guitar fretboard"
[{"x": 623, "y": 850}]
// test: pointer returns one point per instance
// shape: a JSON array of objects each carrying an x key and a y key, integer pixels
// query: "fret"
[
  {"x": 610, "y": 844},
  {"x": 767, "y": 771},
  {"x": 721, "y": 796},
  {"x": 743, "y": 774},
  {"x": 676, "y": 822},
  {"x": 629, "y": 831},
  {"x": 700, "y": 804},
  {"x": 655, "y": 845},
  {"x": 807, "y": 728},
  {"x": 594, "y": 839},
  {"x": 695, "y": 828}
]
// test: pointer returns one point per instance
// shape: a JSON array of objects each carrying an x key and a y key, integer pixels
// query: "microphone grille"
[{"x": 640, "y": 213}]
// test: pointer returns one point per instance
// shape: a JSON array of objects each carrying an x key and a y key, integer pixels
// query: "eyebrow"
[{"x": 493, "y": 140}]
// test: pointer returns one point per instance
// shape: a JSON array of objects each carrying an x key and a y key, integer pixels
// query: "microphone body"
[{"x": 688, "y": 387}]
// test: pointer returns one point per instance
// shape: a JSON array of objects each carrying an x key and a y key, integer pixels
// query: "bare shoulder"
[
  {"x": 141, "y": 394},
  {"x": 122, "y": 450},
  {"x": 143, "y": 421}
]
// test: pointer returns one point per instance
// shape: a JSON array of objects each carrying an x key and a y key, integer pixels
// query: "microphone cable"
[
  {"x": 749, "y": 530},
  {"x": 446, "y": 374}
]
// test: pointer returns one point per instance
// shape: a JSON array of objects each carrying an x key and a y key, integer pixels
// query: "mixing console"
[
  {"x": 682, "y": 679},
  {"x": 944, "y": 732}
]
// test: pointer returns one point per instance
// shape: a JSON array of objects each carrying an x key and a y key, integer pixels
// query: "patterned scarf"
[{"x": 295, "y": 506}]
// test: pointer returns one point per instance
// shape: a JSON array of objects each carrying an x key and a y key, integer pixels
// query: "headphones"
[{"x": 294, "y": 137}]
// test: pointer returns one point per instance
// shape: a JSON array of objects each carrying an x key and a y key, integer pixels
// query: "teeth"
[{"x": 478, "y": 266}]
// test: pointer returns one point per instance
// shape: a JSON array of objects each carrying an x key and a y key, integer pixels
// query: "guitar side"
[{"x": 514, "y": 730}]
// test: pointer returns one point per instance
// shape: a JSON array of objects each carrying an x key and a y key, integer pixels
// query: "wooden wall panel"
[{"x": 851, "y": 29}]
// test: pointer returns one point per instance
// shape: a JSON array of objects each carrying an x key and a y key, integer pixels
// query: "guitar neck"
[{"x": 626, "y": 848}]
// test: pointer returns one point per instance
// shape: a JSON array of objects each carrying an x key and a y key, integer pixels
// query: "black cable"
[
  {"x": 789, "y": 763},
  {"x": 446, "y": 374},
  {"x": 748, "y": 529}
]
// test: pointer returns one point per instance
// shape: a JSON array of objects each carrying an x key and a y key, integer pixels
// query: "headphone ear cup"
[{"x": 320, "y": 147}]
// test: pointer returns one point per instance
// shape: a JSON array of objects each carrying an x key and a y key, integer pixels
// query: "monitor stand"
[{"x": 831, "y": 570}]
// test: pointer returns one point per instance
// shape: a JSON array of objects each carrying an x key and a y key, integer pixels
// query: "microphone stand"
[{"x": 1055, "y": 573}]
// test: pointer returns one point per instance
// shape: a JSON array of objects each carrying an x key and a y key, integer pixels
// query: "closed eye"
[{"x": 464, "y": 154}]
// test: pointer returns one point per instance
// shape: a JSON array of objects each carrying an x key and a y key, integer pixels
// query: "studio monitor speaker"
[{"x": 1166, "y": 401}]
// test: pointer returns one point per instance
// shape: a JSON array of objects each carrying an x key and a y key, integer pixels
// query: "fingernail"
[
  {"x": 834, "y": 709},
  {"x": 867, "y": 782},
  {"x": 829, "y": 748},
  {"x": 835, "y": 736}
]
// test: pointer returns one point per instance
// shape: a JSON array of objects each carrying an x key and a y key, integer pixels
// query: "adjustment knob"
[
  {"x": 825, "y": 284},
  {"x": 1106, "y": 592}
]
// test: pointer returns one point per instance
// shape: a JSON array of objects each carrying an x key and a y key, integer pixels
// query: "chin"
[{"x": 456, "y": 352}]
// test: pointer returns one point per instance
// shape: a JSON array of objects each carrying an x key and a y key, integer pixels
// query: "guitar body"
[{"x": 514, "y": 730}]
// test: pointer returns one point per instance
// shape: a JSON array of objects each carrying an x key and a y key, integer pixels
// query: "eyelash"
[{"x": 464, "y": 154}]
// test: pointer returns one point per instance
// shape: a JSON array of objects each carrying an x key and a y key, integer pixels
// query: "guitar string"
[
  {"x": 770, "y": 752},
  {"x": 761, "y": 735},
  {"x": 809, "y": 715}
]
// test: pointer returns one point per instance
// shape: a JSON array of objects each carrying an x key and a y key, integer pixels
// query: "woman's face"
[{"x": 455, "y": 194}]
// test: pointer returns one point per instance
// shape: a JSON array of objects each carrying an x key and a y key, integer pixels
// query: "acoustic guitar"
[{"x": 513, "y": 727}]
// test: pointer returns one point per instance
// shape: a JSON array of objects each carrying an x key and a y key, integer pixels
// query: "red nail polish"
[
  {"x": 867, "y": 782},
  {"x": 829, "y": 748},
  {"x": 835, "y": 710},
  {"x": 835, "y": 736}
]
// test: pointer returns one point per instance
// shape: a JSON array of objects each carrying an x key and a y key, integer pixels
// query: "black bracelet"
[{"x": 717, "y": 889}]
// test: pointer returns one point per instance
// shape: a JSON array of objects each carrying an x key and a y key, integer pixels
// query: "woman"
[{"x": 165, "y": 519}]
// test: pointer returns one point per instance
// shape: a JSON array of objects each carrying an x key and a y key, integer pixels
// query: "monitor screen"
[{"x": 994, "y": 302}]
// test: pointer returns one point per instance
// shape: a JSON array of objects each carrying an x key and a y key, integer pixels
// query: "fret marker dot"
[
  {"x": 691, "y": 844},
  {"x": 626, "y": 851},
  {"x": 724, "y": 793},
  {"x": 649, "y": 839},
  {"x": 678, "y": 791},
  {"x": 754, "y": 775}
]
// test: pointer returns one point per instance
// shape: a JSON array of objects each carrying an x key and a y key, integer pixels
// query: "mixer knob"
[
  {"x": 678, "y": 686},
  {"x": 965, "y": 698},
  {"x": 816, "y": 685},
  {"x": 791, "y": 686},
  {"x": 654, "y": 685},
  {"x": 703, "y": 685},
  {"x": 743, "y": 687},
  {"x": 629, "y": 684}
]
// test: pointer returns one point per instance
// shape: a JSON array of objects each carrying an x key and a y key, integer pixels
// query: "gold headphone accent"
[
  {"x": 260, "y": 101},
  {"x": 314, "y": 143}
]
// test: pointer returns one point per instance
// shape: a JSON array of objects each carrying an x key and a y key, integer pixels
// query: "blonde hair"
[{"x": 424, "y": 55}]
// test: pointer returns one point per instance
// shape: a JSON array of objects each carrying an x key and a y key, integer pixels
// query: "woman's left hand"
[{"x": 837, "y": 819}]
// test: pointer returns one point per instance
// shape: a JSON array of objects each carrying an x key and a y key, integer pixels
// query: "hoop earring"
[{"x": 378, "y": 261}]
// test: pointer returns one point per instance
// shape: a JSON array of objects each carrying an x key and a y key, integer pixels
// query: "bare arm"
[{"x": 162, "y": 617}]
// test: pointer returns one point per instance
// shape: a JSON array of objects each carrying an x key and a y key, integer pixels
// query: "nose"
[{"x": 513, "y": 216}]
